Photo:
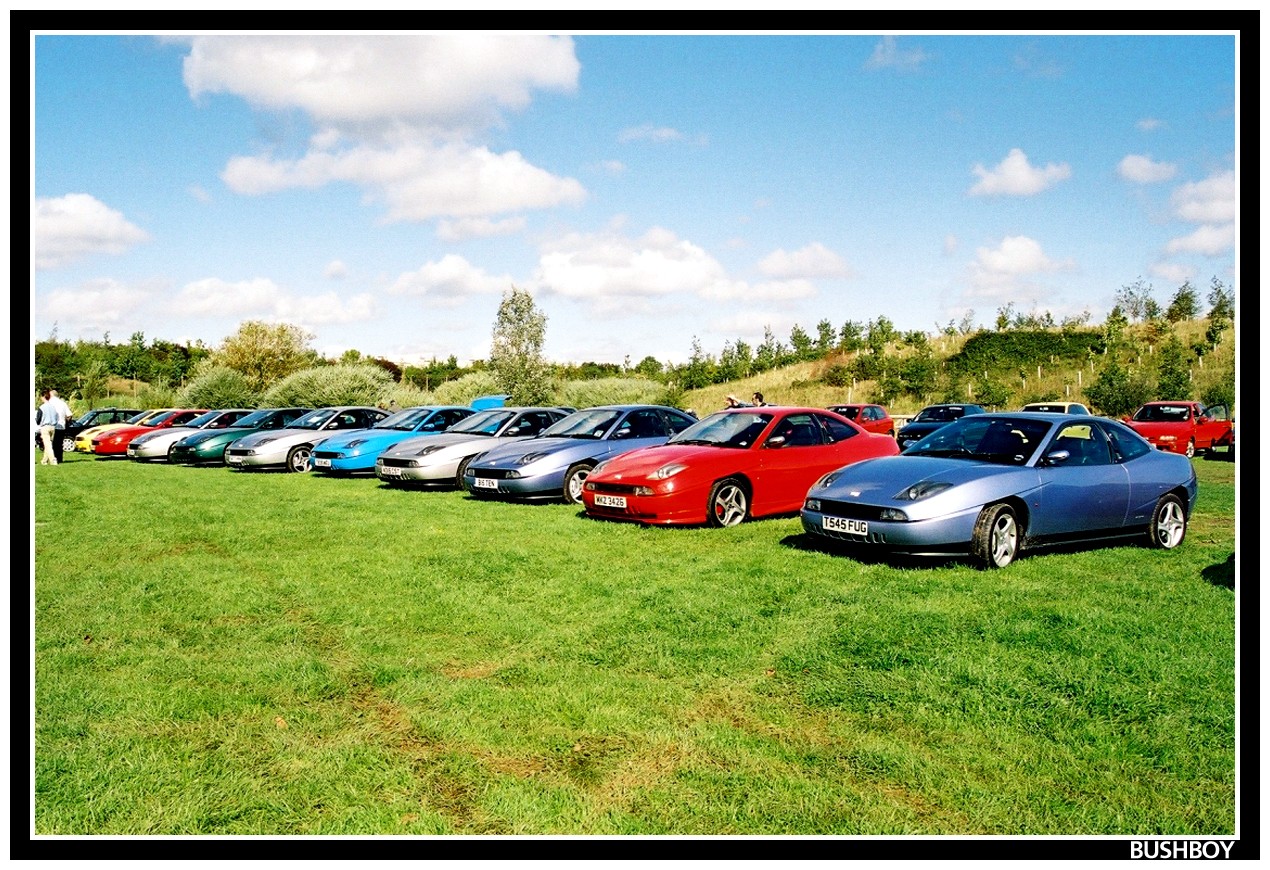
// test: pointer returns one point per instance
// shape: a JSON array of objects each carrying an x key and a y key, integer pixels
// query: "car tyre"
[
  {"x": 171, "y": 447},
  {"x": 68, "y": 445},
  {"x": 462, "y": 473},
  {"x": 1190, "y": 449},
  {"x": 729, "y": 503},
  {"x": 996, "y": 538},
  {"x": 300, "y": 458},
  {"x": 1168, "y": 523},
  {"x": 574, "y": 479}
]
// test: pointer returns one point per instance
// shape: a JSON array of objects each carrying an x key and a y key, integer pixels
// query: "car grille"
[
  {"x": 239, "y": 451},
  {"x": 393, "y": 462},
  {"x": 495, "y": 473},
  {"x": 615, "y": 488},
  {"x": 850, "y": 510},
  {"x": 326, "y": 454}
]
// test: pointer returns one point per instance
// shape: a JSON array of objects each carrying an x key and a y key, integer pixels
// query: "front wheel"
[
  {"x": 729, "y": 503},
  {"x": 573, "y": 482},
  {"x": 995, "y": 541},
  {"x": 1168, "y": 523},
  {"x": 462, "y": 472},
  {"x": 1190, "y": 449},
  {"x": 68, "y": 445},
  {"x": 300, "y": 459}
]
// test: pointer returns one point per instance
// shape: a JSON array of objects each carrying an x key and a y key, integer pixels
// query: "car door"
[
  {"x": 1210, "y": 425},
  {"x": 789, "y": 462},
  {"x": 1083, "y": 493}
]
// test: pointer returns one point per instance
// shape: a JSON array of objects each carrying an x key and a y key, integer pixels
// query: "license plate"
[
  {"x": 485, "y": 483},
  {"x": 613, "y": 501},
  {"x": 321, "y": 463},
  {"x": 234, "y": 460},
  {"x": 390, "y": 471},
  {"x": 845, "y": 526}
]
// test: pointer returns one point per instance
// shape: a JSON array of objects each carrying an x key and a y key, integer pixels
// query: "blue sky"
[{"x": 384, "y": 191}]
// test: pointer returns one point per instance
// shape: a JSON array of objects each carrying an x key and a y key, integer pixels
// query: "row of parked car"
[{"x": 987, "y": 485}]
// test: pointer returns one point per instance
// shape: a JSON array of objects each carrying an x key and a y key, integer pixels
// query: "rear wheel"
[
  {"x": 995, "y": 541},
  {"x": 1190, "y": 449},
  {"x": 1168, "y": 523},
  {"x": 574, "y": 480},
  {"x": 171, "y": 447},
  {"x": 300, "y": 458},
  {"x": 729, "y": 503},
  {"x": 68, "y": 445}
]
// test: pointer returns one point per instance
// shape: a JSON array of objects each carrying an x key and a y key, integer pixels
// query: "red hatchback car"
[
  {"x": 870, "y": 418},
  {"x": 733, "y": 465},
  {"x": 114, "y": 442}
]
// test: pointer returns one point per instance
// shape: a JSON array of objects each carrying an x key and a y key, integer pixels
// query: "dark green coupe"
[{"x": 208, "y": 446}]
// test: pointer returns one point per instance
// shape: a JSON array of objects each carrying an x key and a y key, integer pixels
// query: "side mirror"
[
  {"x": 775, "y": 442},
  {"x": 1057, "y": 457}
]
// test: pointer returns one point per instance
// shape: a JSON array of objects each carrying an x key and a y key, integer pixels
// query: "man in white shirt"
[{"x": 63, "y": 412}]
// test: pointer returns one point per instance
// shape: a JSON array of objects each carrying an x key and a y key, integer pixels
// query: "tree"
[
  {"x": 824, "y": 337},
  {"x": 801, "y": 344},
  {"x": 1116, "y": 392},
  {"x": 649, "y": 367},
  {"x": 1175, "y": 376},
  {"x": 851, "y": 336},
  {"x": 1184, "y": 305},
  {"x": 699, "y": 372},
  {"x": 218, "y": 387},
  {"x": 516, "y": 359},
  {"x": 265, "y": 352},
  {"x": 881, "y": 333},
  {"x": 1136, "y": 301}
]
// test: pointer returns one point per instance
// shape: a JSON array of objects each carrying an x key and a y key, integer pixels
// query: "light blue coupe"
[
  {"x": 556, "y": 463},
  {"x": 356, "y": 451},
  {"x": 994, "y": 485}
]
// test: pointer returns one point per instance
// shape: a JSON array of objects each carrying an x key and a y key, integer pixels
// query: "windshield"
[
  {"x": 848, "y": 411},
  {"x": 938, "y": 415},
  {"x": 1000, "y": 440},
  {"x": 407, "y": 420},
  {"x": 1163, "y": 414},
  {"x": 314, "y": 419},
  {"x": 593, "y": 425},
  {"x": 482, "y": 423},
  {"x": 255, "y": 418},
  {"x": 162, "y": 418},
  {"x": 724, "y": 430},
  {"x": 203, "y": 419}
]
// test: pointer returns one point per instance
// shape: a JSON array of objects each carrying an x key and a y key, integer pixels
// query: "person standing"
[
  {"x": 48, "y": 417},
  {"x": 63, "y": 412},
  {"x": 758, "y": 401}
]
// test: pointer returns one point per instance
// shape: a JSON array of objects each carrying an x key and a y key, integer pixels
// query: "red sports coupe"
[
  {"x": 114, "y": 442},
  {"x": 733, "y": 465}
]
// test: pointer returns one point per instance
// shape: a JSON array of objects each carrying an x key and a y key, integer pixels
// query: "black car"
[
  {"x": 95, "y": 417},
  {"x": 933, "y": 417}
]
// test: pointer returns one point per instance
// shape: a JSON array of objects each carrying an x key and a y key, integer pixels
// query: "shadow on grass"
[
  {"x": 865, "y": 555},
  {"x": 1226, "y": 454},
  {"x": 1222, "y": 574}
]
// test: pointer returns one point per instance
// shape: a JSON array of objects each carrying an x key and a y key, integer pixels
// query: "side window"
[
  {"x": 449, "y": 418},
  {"x": 678, "y": 422},
  {"x": 1086, "y": 444},
  {"x": 648, "y": 424},
  {"x": 836, "y": 430},
  {"x": 798, "y": 430},
  {"x": 1125, "y": 445}
]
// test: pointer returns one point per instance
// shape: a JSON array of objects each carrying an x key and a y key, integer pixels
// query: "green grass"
[{"x": 227, "y": 653}]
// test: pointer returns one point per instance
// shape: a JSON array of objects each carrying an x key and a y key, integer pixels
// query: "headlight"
[
  {"x": 893, "y": 514},
  {"x": 922, "y": 490},
  {"x": 264, "y": 441},
  {"x": 356, "y": 441},
  {"x": 530, "y": 457},
  {"x": 668, "y": 471},
  {"x": 813, "y": 504},
  {"x": 827, "y": 479},
  {"x": 426, "y": 451}
]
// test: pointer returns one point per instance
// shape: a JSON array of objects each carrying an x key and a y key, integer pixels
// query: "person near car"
[
  {"x": 757, "y": 401},
  {"x": 734, "y": 402},
  {"x": 63, "y": 412},
  {"x": 48, "y": 426}
]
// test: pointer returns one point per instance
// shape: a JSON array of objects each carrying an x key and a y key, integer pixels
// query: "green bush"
[
  {"x": 461, "y": 391},
  {"x": 360, "y": 384},
  {"x": 219, "y": 387},
  {"x": 610, "y": 391}
]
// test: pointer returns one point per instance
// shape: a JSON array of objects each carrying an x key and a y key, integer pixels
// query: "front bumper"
[
  {"x": 255, "y": 460},
  {"x": 941, "y": 535},
  {"x": 492, "y": 482}
]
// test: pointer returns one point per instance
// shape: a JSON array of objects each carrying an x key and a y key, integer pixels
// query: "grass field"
[{"x": 228, "y": 653}]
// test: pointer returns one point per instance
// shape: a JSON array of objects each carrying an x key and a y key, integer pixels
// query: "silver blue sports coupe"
[{"x": 993, "y": 485}]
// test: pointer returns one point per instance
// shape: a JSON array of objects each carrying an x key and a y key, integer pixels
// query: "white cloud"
[
  {"x": 888, "y": 55},
  {"x": 394, "y": 115},
  {"x": 950, "y": 245},
  {"x": 70, "y": 227},
  {"x": 1174, "y": 273},
  {"x": 1003, "y": 272},
  {"x": 335, "y": 270},
  {"x": 97, "y": 305},
  {"x": 649, "y": 133},
  {"x": 811, "y": 261},
  {"x": 478, "y": 228},
  {"x": 612, "y": 167},
  {"x": 609, "y": 265},
  {"x": 1014, "y": 176},
  {"x": 384, "y": 82},
  {"x": 1144, "y": 170},
  {"x": 199, "y": 193},
  {"x": 264, "y": 299},
  {"x": 1032, "y": 61},
  {"x": 449, "y": 281},
  {"x": 1213, "y": 200},
  {"x": 766, "y": 291},
  {"x": 1146, "y": 125},
  {"x": 416, "y": 182},
  {"x": 1211, "y": 240}
]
